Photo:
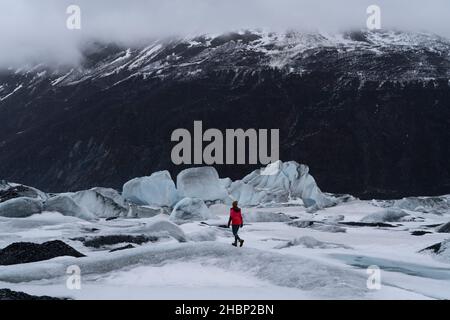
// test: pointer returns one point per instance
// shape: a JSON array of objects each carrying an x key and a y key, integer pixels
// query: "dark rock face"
[
  {"x": 25, "y": 252},
  {"x": 7, "y": 294},
  {"x": 370, "y": 119}
]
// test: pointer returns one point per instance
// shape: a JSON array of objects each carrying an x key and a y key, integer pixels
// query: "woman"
[{"x": 236, "y": 223}]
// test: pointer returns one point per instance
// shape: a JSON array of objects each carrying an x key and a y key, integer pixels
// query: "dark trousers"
[{"x": 235, "y": 229}]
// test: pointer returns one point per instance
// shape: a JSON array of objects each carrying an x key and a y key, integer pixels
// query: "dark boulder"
[
  {"x": 7, "y": 294},
  {"x": 25, "y": 252}
]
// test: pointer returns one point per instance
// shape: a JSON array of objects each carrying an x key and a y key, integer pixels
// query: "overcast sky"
[{"x": 35, "y": 30}]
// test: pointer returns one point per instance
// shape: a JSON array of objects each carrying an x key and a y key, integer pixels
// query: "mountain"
[{"x": 369, "y": 112}]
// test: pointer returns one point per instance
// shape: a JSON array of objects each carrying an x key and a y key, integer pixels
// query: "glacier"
[{"x": 300, "y": 243}]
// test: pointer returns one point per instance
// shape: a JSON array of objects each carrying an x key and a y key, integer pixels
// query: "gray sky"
[{"x": 35, "y": 30}]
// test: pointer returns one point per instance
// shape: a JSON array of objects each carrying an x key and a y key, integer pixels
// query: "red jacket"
[{"x": 236, "y": 217}]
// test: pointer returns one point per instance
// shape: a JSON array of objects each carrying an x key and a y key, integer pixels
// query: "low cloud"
[{"x": 35, "y": 31}]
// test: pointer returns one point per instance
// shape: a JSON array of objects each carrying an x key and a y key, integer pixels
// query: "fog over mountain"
[{"x": 35, "y": 31}]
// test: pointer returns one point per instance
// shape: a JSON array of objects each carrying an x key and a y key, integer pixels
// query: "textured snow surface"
[
  {"x": 300, "y": 243},
  {"x": 278, "y": 261}
]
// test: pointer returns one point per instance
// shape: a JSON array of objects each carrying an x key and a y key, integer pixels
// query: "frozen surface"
[{"x": 290, "y": 251}]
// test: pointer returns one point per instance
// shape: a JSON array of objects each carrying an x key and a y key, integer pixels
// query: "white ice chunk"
[
  {"x": 226, "y": 182},
  {"x": 88, "y": 204},
  {"x": 280, "y": 182},
  {"x": 9, "y": 189},
  {"x": 155, "y": 190},
  {"x": 190, "y": 209},
  {"x": 387, "y": 215},
  {"x": 247, "y": 195},
  {"x": 99, "y": 204},
  {"x": 262, "y": 216},
  {"x": 20, "y": 207},
  {"x": 310, "y": 243},
  {"x": 202, "y": 183},
  {"x": 67, "y": 206},
  {"x": 159, "y": 226}
]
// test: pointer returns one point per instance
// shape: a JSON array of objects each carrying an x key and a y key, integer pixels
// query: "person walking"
[{"x": 236, "y": 222}]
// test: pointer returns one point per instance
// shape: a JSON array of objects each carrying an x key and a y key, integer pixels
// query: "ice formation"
[
  {"x": 202, "y": 183},
  {"x": 190, "y": 209},
  {"x": 289, "y": 180},
  {"x": 155, "y": 190},
  {"x": 20, "y": 207}
]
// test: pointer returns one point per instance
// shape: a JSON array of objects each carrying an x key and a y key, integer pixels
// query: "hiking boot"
[
  {"x": 234, "y": 244},
  {"x": 241, "y": 242}
]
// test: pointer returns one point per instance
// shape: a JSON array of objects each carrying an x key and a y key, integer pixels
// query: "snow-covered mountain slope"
[
  {"x": 368, "y": 110},
  {"x": 364, "y": 54}
]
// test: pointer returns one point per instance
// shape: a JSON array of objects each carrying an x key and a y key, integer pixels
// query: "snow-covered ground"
[{"x": 281, "y": 258}]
